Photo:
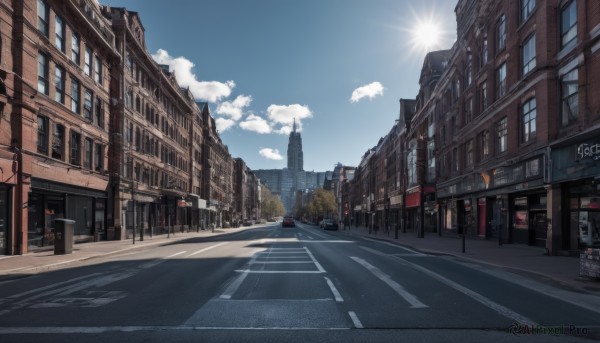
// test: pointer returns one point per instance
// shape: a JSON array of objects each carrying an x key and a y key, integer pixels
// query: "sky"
[{"x": 339, "y": 67}]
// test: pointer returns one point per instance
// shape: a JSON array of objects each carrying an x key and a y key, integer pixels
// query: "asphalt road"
[{"x": 273, "y": 284}]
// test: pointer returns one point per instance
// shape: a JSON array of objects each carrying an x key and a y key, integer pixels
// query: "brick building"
[
  {"x": 503, "y": 142},
  {"x": 93, "y": 129},
  {"x": 61, "y": 52}
]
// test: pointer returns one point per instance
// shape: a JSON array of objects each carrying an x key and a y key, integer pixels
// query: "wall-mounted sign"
[{"x": 585, "y": 151}]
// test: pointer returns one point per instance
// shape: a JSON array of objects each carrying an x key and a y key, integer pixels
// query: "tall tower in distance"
[{"x": 295, "y": 157}]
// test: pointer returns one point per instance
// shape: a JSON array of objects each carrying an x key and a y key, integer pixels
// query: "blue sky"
[{"x": 338, "y": 66}]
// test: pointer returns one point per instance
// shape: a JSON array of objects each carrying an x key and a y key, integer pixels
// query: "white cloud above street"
[
  {"x": 284, "y": 116},
  {"x": 211, "y": 91},
  {"x": 234, "y": 109},
  {"x": 224, "y": 124},
  {"x": 271, "y": 154},
  {"x": 370, "y": 91},
  {"x": 256, "y": 124}
]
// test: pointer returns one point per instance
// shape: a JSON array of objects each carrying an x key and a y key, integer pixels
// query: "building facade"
[
  {"x": 92, "y": 129},
  {"x": 501, "y": 144}
]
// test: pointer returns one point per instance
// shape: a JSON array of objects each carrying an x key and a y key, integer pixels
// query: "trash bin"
[{"x": 63, "y": 236}]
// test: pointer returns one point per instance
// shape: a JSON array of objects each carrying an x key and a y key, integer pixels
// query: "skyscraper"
[{"x": 295, "y": 157}]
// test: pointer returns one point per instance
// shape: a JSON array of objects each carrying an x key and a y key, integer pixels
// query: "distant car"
[
  {"x": 329, "y": 224},
  {"x": 248, "y": 222},
  {"x": 288, "y": 221}
]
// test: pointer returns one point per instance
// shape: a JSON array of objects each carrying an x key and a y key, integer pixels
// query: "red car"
[{"x": 288, "y": 221}]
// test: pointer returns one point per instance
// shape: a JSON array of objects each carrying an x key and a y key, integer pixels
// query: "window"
[
  {"x": 42, "y": 143},
  {"x": 97, "y": 70},
  {"x": 99, "y": 111},
  {"x": 59, "y": 84},
  {"x": 60, "y": 34},
  {"x": 75, "y": 48},
  {"x": 484, "y": 144},
  {"x": 43, "y": 15},
  {"x": 501, "y": 32},
  {"x": 87, "y": 155},
  {"x": 569, "y": 98},
  {"x": 99, "y": 158},
  {"x": 528, "y": 55},
  {"x": 528, "y": 116},
  {"x": 87, "y": 69},
  {"x": 468, "y": 110},
  {"x": 75, "y": 144},
  {"x": 87, "y": 104},
  {"x": 42, "y": 73},
  {"x": 469, "y": 154},
  {"x": 455, "y": 161},
  {"x": 58, "y": 142},
  {"x": 568, "y": 27},
  {"x": 469, "y": 77},
  {"x": 527, "y": 7},
  {"x": 483, "y": 96},
  {"x": 75, "y": 94},
  {"x": 501, "y": 81},
  {"x": 483, "y": 58},
  {"x": 502, "y": 131}
]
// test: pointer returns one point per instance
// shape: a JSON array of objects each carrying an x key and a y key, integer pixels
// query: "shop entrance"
[{"x": 4, "y": 224}]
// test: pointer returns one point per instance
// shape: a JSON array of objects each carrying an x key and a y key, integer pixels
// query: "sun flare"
[{"x": 426, "y": 35}]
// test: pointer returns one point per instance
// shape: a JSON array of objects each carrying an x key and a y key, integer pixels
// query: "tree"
[
  {"x": 271, "y": 205},
  {"x": 322, "y": 203}
]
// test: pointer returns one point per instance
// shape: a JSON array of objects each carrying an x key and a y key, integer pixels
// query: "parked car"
[
  {"x": 329, "y": 224},
  {"x": 288, "y": 221}
]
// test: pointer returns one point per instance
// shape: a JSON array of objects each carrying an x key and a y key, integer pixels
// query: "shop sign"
[
  {"x": 181, "y": 203},
  {"x": 591, "y": 151}
]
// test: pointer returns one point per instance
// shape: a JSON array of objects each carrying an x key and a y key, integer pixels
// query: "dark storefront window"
[
  {"x": 81, "y": 210},
  {"x": 42, "y": 211},
  {"x": 584, "y": 203},
  {"x": 4, "y": 223}
]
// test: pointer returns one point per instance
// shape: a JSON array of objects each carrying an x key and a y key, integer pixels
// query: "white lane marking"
[
  {"x": 278, "y": 271},
  {"x": 103, "y": 329},
  {"x": 282, "y": 262},
  {"x": 54, "y": 285},
  {"x": 233, "y": 287},
  {"x": 377, "y": 252},
  {"x": 206, "y": 249},
  {"x": 156, "y": 262},
  {"x": 336, "y": 294},
  {"x": 394, "y": 245},
  {"x": 410, "y": 298},
  {"x": 280, "y": 252},
  {"x": 278, "y": 257},
  {"x": 319, "y": 235},
  {"x": 176, "y": 254},
  {"x": 315, "y": 260},
  {"x": 476, "y": 296},
  {"x": 355, "y": 320},
  {"x": 287, "y": 249}
]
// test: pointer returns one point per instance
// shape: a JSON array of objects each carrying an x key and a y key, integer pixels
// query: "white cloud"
[
  {"x": 285, "y": 115},
  {"x": 371, "y": 90},
  {"x": 211, "y": 91},
  {"x": 223, "y": 124},
  {"x": 256, "y": 124},
  {"x": 271, "y": 154},
  {"x": 234, "y": 109}
]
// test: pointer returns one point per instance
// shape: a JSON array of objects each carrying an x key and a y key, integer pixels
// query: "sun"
[{"x": 426, "y": 35}]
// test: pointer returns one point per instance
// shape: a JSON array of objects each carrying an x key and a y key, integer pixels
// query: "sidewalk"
[
  {"x": 35, "y": 262},
  {"x": 562, "y": 271}
]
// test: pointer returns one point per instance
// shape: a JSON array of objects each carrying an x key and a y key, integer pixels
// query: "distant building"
[{"x": 288, "y": 181}]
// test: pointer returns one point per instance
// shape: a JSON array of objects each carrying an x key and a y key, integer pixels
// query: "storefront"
[
  {"x": 576, "y": 177},
  {"x": 50, "y": 200},
  {"x": 4, "y": 219},
  {"x": 529, "y": 219}
]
